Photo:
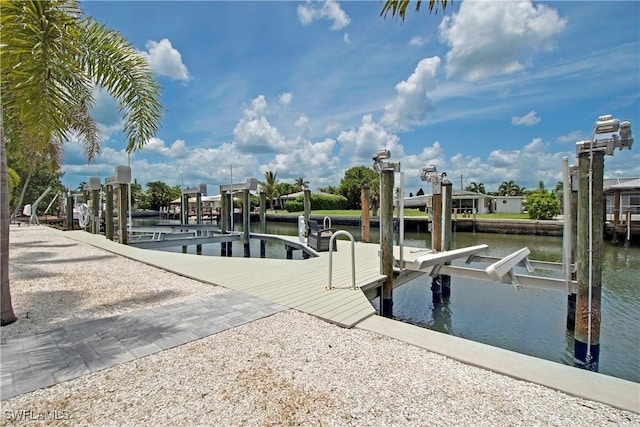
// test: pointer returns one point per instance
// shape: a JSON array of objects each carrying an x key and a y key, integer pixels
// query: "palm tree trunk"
[{"x": 7, "y": 315}]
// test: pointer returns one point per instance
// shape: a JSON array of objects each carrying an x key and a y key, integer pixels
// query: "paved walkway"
[{"x": 35, "y": 361}]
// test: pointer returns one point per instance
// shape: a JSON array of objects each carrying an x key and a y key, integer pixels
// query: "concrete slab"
[{"x": 589, "y": 385}]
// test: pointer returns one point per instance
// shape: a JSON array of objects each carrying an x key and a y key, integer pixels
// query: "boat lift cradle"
[{"x": 500, "y": 270}]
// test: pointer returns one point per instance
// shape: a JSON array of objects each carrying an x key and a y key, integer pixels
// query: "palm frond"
[
  {"x": 398, "y": 8},
  {"x": 123, "y": 72}
]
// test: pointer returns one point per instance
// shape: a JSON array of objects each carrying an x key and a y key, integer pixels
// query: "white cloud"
[
  {"x": 412, "y": 102},
  {"x": 346, "y": 38},
  {"x": 361, "y": 143},
  {"x": 156, "y": 146},
  {"x": 165, "y": 60},
  {"x": 528, "y": 119},
  {"x": 285, "y": 98},
  {"x": 330, "y": 10},
  {"x": 572, "y": 137},
  {"x": 488, "y": 38},
  {"x": 417, "y": 41},
  {"x": 313, "y": 161}
]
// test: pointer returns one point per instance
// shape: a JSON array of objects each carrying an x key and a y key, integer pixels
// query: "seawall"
[{"x": 422, "y": 224}]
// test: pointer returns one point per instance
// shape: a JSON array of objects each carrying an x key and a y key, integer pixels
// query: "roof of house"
[{"x": 621, "y": 184}]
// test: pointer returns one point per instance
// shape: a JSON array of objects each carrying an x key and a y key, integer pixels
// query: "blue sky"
[{"x": 489, "y": 91}]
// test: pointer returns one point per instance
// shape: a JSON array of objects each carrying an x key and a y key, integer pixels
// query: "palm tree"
[
  {"x": 476, "y": 187},
  {"x": 509, "y": 188},
  {"x": 300, "y": 183},
  {"x": 399, "y": 7},
  {"x": 52, "y": 58},
  {"x": 269, "y": 186}
]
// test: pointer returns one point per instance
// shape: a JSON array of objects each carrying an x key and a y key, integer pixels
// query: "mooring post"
[
  {"x": 263, "y": 223},
  {"x": 386, "y": 238},
  {"x": 436, "y": 241},
  {"x": 589, "y": 260},
  {"x": 232, "y": 209},
  {"x": 123, "y": 201},
  {"x": 364, "y": 200},
  {"x": 198, "y": 218},
  {"x": 571, "y": 214},
  {"x": 224, "y": 220},
  {"x": 69, "y": 211},
  {"x": 108, "y": 220},
  {"x": 447, "y": 204},
  {"x": 246, "y": 236},
  {"x": 307, "y": 205}
]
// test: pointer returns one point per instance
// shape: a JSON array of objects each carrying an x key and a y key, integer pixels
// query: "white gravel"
[{"x": 287, "y": 369}]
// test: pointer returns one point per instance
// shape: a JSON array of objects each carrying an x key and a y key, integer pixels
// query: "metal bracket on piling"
[{"x": 353, "y": 258}]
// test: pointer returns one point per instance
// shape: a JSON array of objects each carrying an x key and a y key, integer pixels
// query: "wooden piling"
[
  {"x": 447, "y": 204},
  {"x": 571, "y": 297},
  {"x": 123, "y": 202},
  {"x": 386, "y": 239},
  {"x": 307, "y": 206},
  {"x": 589, "y": 261},
  {"x": 246, "y": 236},
  {"x": 224, "y": 220},
  {"x": 263, "y": 223},
  {"x": 364, "y": 200},
  {"x": 69, "y": 212},
  {"x": 108, "y": 214}
]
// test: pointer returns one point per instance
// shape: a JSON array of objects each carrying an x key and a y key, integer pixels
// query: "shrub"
[
  {"x": 542, "y": 205},
  {"x": 294, "y": 206},
  {"x": 324, "y": 202}
]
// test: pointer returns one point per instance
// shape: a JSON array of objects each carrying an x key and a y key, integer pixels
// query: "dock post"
[
  {"x": 263, "y": 223},
  {"x": 364, "y": 200},
  {"x": 589, "y": 260},
  {"x": 231, "y": 212},
  {"x": 108, "y": 220},
  {"x": 436, "y": 241},
  {"x": 571, "y": 212},
  {"x": 386, "y": 238},
  {"x": 224, "y": 220},
  {"x": 307, "y": 205},
  {"x": 246, "y": 236},
  {"x": 95, "y": 201},
  {"x": 447, "y": 204},
  {"x": 198, "y": 218},
  {"x": 69, "y": 211},
  {"x": 123, "y": 197}
]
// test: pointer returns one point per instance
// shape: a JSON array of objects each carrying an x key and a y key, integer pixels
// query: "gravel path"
[{"x": 287, "y": 369}]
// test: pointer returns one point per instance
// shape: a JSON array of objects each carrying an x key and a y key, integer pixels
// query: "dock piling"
[
  {"x": 364, "y": 200},
  {"x": 589, "y": 260},
  {"x": 246, "y": 207},
  {"x": 386, "y": 238},
  {"x": 263, "y": 223}
]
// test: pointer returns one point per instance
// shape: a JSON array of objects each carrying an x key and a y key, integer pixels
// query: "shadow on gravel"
[{"x": 42, "y": 244}]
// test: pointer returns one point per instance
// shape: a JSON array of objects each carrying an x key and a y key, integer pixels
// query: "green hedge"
[
  {"x": 294, "y": 206},
  {"x": 324, "y": 202}
]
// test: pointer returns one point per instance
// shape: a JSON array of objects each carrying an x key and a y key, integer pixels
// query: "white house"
[{"x": 508, "y": 204}]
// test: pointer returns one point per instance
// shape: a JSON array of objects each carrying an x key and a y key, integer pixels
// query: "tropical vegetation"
[{"x": 52, "y": 59}]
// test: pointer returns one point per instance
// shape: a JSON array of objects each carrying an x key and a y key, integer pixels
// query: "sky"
[{"x": 488, "y": 91}]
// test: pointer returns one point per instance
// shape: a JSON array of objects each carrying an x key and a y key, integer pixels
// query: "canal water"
[{"x": 526, "y": 320}]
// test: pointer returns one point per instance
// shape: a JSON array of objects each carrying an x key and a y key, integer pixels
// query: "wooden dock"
[{"x": 299, "y": 284}]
